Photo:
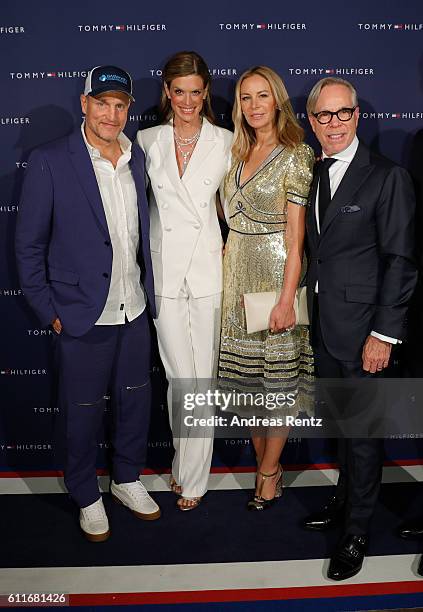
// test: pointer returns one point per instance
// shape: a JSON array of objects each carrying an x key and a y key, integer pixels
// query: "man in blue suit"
[{"x": 83, "y": 252}]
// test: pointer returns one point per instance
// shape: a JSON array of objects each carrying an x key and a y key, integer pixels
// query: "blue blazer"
[
  {"x": 363, "y": 257},
  {"x": 63, "y": 246}
]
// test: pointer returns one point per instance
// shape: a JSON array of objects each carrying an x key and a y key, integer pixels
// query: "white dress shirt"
[
  {"x": 119, "y": 197},
  {"x": 337, "y": 171},
  {"x": 336, "y": 174}
]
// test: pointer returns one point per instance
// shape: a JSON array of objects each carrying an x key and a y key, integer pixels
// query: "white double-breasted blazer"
[{"x": 185, "y": 237}]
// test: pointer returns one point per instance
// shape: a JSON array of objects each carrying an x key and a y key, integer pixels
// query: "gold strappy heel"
[
  {"x": 193, "y": 502},
  {"x": 258, "y": 502}
]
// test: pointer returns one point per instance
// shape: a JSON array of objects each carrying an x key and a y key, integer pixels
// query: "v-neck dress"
[{"x": 254, "y": 261}]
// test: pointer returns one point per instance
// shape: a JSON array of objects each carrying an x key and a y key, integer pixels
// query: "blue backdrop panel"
[{"x": 46, "y": 49}]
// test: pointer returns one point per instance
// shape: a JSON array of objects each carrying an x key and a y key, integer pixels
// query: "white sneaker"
[
  {"x": 134, "y": 495},
  {"x": 94, "y": 522}
]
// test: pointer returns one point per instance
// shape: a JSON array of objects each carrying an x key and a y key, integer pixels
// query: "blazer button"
[
  {"x": 207, "y": 181},
  {"x": 160, "y": 186},
  {"x": 165, "y": 205},
  {"x": 107, "y": 242},
  {"x": 168, "y": 229},
  {"x": 196, "y": 226},
  {"x": 105, "y": 275},
  {"x": 203, "y": 204}
]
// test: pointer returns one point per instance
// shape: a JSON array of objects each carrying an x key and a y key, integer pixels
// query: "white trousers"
[{"x": 188, "y": 332}]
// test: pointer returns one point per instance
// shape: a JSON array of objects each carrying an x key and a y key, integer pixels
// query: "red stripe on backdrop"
[
  {"x": 318, "y": 592},
  {"x": 214, "y": 470}
]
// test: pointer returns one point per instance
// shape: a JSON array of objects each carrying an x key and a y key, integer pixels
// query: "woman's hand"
[{"x": 282, "y": 318}]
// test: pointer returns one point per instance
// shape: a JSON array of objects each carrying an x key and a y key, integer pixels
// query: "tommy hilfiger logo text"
[
  {"x": 12, "y": 29},
  {"x": 14, "y": 120},
  {"x": 9, "y": 208},
  {"x": 17, "y": 372},
  {"x": 143, "y": 118},
  {"x": 402, "y": 115},
  {"x": 378, "y": 115},
  {"x": 128, "y": 27},
  {"x": 46, "y": 410},
  {"x": 262, "y": 26},
  {"x": 61, "y": 74},
  {"x": 11, "y": 292},
  {"x": 396, "y": 27},
  {"x": 159, "y": 444},
  {"x": 212, "y": 71},
  {"x": 332, "y": 71},
  {"x": 26, "y": 446}
]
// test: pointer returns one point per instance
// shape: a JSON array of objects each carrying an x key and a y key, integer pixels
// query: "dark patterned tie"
[{"x": 324, "y": 187}]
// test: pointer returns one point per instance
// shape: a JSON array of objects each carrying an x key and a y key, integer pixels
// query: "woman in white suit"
[{"x": 186, "y": 160}]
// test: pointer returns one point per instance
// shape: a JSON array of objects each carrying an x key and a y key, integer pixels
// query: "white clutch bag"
[{"x": 258, "y": 307}]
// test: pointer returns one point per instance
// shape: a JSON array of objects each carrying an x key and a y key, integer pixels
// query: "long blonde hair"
[{"x": 288, "y": 130}]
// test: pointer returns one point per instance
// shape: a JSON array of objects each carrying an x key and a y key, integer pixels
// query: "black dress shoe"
[
  {"x": 411, "y": 530},
  {"x": 420, "y": 568},
  {"x": 348, "y": 558},
  {"x": 327, "y": 517}
]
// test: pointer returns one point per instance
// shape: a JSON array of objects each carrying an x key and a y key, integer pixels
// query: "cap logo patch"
[{"x": 113, "y": 77}]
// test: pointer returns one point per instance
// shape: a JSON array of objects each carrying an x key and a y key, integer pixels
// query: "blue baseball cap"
[{"x": 108, "y": 78}]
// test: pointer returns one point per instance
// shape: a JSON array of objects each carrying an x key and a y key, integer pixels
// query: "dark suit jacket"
[
  {"x": 363, "y": 257},
  {"x": 63, "y": 246}
]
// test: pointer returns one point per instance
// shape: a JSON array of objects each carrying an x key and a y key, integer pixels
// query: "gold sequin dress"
[{"x": 254, "y": 261}]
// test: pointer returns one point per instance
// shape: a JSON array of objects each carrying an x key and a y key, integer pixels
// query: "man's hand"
[
  {"x": 57, "y": 326},
  {"x": 376, "y": 354}
]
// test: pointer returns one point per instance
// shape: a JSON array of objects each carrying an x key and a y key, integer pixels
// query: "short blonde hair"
[
  {"x": 289, "y": 132},
  {"x": 315, "y": 92}
]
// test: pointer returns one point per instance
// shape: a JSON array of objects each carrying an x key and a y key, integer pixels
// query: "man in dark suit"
[
  {"x": 82, "y": 246},
  {"x": 360, "y": 279}
]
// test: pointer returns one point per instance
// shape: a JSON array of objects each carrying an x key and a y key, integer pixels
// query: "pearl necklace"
[{"x": 186, "y": 142}]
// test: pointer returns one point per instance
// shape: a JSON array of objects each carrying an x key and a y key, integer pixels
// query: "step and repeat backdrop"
[{"x": 45, "y": 51}]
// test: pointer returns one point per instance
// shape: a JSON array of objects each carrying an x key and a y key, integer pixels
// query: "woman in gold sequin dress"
[{"x": 266, "y": 194}]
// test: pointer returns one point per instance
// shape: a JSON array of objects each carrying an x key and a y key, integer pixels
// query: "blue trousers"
[
  {"x": 109, "y": 359},
  {"x": 360, "y": 459}
]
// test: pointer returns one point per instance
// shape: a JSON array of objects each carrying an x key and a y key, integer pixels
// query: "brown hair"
[
  {"x": 185, "y": 63},
  {"x": 288, "y": 130}
]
